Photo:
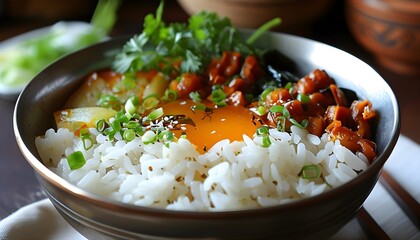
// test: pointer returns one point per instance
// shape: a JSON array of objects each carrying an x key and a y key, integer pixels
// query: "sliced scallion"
[
  {"x": 148, "y": 137},
  {"x": 110, "y": 133},
  {"x": 121, "y": 117},
  {"x": 108, "y": 101},
  {"x": 310, "y": 172},
  {"x": 155, "y": 114},
  {"x": 277, "y": 109},
  {"x": 195, "y": 96},
  {"x": 262, "y": 131},
  {"x": 261, "y": 110},
  {"x": 218, "y": 95},
  {"x": 100, "y": 125},
  {"x": 166, "y": 136},
  {"x": 201, "y": 107},
  {"x": 265, "y": 93},
  {"x": 303, "y": 98},
  {"x": 150, "y": 102},
  {"x": 288, "y": 86},
  {"x": 129, "y": 135},
  {"x": 86, "y": 138},
  {"x": 170, "y": 95},
  {"x": 281, "y": 123},
  {"x": 302, "y": 124},
  {"x": 131, "y": 105},
  {"x": 286, "y": 113},
  {"x": 132, "y": 125},
  {"x": 221, "y": 104},
  {"x": 266, "y": 142},
  {"x": 76, "y": 160},
  {"x": 116, "y": 125}
]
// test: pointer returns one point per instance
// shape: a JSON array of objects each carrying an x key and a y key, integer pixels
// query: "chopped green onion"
[
  {"x": 87, "y": 143},
  {"x": 155, "y": 114},
  {"x": 150, "y": 102},
  {"x": 281, "y": 123},
  {"x": 286, "y": 113},
  {"x": 76, "y": 160},
  {"x": 166, "y": 136},
  {"x": 148, "y": 137},
  {"x": 131, "y": 105},
  {"x": 110, "y": 133},
  {"x": 265, "y": 93},
  {"x": 108, "y": 101},
  {"x": 262, "y": 131},
  {"x": 216, "y": 87},
  {"x": 139, "y": 131},
  {"x": 132, "y": 125},
  {"x": 170, "y": 95},
  {"x": 266, "y": 142},
  {"x": 195, "y": 96},
  {"x": 277, "y": 109},
  {"x": 116, "y": 125},
  {"x": 310, "y": 172},
  {"x": 302, "y": 125},
  {"x": 100, "y": 125},
  {"x": 261, "y": 110},
  {"x": 129, "y": 135},
  {"x": 135, "y": 116},
  {"x": 86, "y": 138},
  {"x": 201, "y": 107},
  {"x": 288, "y": 86},
  {"x": 128, "y": 82},
  {"x": 84, "y": 132},
  {"x": 221, "y": 104},
  {"x": 122, "y": 117},
  {"x": 303, "y": 98},
  {"x": 218, "y": 95}
]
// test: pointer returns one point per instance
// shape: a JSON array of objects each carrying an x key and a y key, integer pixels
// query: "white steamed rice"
[{"x": 230, "y": 176}]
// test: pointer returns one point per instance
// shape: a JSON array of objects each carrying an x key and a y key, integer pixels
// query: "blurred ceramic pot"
[
  {"x": 388, "y": 29},
  {"x": 297, "y": 15}
]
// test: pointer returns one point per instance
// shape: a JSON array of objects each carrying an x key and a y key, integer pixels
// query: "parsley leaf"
[{"x": 160, "y": 46}]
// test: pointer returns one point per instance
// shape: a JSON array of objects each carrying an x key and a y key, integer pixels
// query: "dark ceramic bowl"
[
  {"x": 297, "y": 15},
  {"x": 313, "y": 218},
  {"x": 390, "y": 30}
]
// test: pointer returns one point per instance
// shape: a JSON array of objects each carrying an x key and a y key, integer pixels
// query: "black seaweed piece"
[
  {"x": 280, "y": 68},
  {"x": 350, "y": 95},
  {"x": 279, "y": 61},
  {"x": 282, "y": 77}
]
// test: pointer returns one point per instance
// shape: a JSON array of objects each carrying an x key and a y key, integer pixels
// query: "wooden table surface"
[{"x": 18, "y": 185}]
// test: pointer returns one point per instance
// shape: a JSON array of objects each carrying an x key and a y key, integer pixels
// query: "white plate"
[{"x": 11, "y": 92}]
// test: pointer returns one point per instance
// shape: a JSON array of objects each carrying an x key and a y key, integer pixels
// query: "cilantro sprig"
[{"x": 193, "y": 44}]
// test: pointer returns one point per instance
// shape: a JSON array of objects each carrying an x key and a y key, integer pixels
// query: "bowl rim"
[{"x": 131, "y": 209}]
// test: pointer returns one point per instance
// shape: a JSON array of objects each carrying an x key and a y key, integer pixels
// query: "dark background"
[{"x": 18, "y": 185}]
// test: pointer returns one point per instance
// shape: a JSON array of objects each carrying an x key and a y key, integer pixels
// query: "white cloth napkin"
[{"x": 40, "y": 220}]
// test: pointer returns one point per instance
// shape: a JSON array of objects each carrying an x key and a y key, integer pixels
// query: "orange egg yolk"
[{"x": 211, "y": 125}]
